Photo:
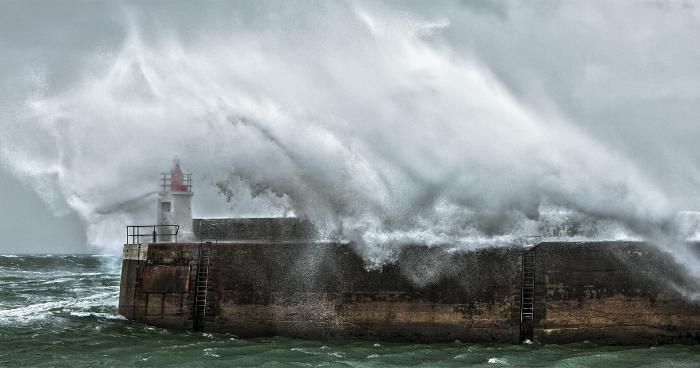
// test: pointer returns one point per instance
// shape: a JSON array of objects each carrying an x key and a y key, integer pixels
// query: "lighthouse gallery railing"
[{"x": 139, "y": 234}]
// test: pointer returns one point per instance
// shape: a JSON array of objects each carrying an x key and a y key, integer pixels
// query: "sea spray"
[{"x": 364, "y": 120}]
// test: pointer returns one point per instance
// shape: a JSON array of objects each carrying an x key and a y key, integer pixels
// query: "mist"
[{"x": 461, "y": 124}]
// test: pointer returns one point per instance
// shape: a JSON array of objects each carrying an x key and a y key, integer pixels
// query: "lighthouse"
[{"x": 175, "y": 202}]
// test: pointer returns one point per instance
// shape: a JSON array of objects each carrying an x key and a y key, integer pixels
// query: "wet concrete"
[{"x": 614, "y": 293}]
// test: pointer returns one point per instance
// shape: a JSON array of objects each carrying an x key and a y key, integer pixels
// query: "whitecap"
[
  {"x": 304, "y": 350},
  {"x": 496, "y": 361},
  {"x": 56, "y": 281},
  {"x": 33, "y": 309},
  {"x": 42, "y": 310},
  {"x": 99, "y": 315}
]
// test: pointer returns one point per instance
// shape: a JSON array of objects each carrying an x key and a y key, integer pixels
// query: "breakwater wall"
[{"x": 607, "y": 292}]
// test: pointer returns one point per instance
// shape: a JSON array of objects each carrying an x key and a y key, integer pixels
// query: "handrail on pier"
[{"x": 151, "y": 233}]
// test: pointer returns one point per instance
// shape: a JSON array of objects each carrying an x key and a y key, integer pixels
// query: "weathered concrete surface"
[
  {"x": 155, "y": 284},
  {"x": 272, "y": 229},
  {"x": 613, "y": 293},
  {"x": 322, "y": 290},
  {"x": 619, "y": 293},
  {"x": 166, "y": 279}
]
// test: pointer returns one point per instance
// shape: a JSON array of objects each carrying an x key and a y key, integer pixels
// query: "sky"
[{"x": 386, "y": 121}]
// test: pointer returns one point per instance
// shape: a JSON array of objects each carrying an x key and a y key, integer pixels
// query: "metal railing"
[
  {"x": 140, "y": 234},
  {"x": 166, "y": 181}
]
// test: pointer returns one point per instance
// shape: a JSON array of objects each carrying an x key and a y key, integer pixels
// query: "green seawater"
[{"x": 61, "y": 311}]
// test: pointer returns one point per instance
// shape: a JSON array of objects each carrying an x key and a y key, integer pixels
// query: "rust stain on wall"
[{"x": 166, "y": 279}]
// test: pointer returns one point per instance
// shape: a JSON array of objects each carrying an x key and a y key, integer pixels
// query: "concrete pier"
[{"x": 608, "y": 292}]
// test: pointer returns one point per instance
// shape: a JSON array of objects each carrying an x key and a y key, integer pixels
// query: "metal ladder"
[
  {"x": 200, "y": 298},
  {"x": 527, "y": 301}
]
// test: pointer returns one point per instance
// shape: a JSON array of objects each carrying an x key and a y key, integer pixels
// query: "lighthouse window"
[{"x": 165, "y": 206}]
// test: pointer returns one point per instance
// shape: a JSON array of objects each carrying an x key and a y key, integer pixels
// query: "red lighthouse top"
[
  {"x": 177, "y": 178},
  {"x": 178, "y": 181}
]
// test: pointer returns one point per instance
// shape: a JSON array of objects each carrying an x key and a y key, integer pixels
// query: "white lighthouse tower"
[{"x": 175, "y": 203}]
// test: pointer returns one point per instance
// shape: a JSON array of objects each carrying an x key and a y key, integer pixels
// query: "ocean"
[{"x": 61, "y": 311}]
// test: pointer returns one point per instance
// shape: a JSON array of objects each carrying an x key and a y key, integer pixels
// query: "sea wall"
[
  {"x": 157, "y": 284},
  {"x": 616, "y": 293},
  {"x": 323, "y": 290}
]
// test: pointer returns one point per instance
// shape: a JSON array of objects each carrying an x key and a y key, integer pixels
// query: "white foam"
[
  {"x": 32, "y": 312},
  {"x": 98, "y": 314},
  {"x": 211, "y": 352},
  {"x": 43, "y": 310},
  {"x": 57, "y": 281}
]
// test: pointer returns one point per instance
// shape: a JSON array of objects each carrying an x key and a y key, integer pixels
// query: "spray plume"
[{"x": 364, "y": 121}]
